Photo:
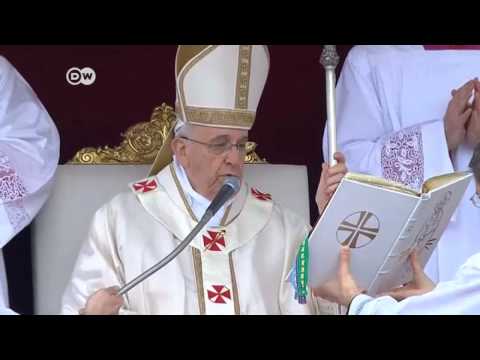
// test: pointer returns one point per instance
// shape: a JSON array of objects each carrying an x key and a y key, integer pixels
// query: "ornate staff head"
[{"x": 329, "y": 58}]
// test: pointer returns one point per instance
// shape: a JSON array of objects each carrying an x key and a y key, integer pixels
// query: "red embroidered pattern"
[
  {"x": 17, "y": 215},
  {"x": 145, "y": 186},
  {"x": 261, "y": 196},
  {"x": 219, "y": 294},
  {"x": 12, "y": 192},
  {"x": 11, "y": 186},
  {"x": 214, "y": 241},
  {"x": 402, "y": 157}
]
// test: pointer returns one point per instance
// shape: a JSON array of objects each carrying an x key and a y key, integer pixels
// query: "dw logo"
[{"x": 85, "y": 76}]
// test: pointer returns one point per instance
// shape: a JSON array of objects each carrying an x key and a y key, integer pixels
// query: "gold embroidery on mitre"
[
  {"x": 242, "y": 119},
  {"x": 243, "y": 76}
]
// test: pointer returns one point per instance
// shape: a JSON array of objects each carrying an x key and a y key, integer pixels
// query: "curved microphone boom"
[{"x": 230, "y": 187}]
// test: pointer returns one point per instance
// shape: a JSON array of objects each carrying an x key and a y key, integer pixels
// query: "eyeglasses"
[
  {"x": 221, "y": 147},
  {"x": 475, "y": 199}
]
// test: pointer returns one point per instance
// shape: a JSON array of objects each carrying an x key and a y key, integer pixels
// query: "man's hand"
[
  {"x": 343, "y": 289},
  {"x": 103, "y": 302},
  {"x": 458, "y": 114},
  {"x": 329, "y": 181},
  {"x": 421, "y": 284},
  {"x": 473, "y": 126}
]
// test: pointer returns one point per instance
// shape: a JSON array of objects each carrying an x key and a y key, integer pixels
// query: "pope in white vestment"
[
  {"x": 244, "y": 271},
  {"x": 392, "y": 105},
  {"x": 29, "y": 152},
  {"x": 242, "y": 262}
]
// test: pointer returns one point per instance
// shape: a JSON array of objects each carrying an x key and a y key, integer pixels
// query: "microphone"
[{"x": 230, "y": 187}]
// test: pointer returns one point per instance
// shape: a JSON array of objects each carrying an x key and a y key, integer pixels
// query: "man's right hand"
[
  {"x": 103, "y": 302},
  {"x": 458, "y": 114}
]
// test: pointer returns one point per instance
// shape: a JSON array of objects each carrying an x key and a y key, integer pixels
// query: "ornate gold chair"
[{"x": 94, "y": 176}]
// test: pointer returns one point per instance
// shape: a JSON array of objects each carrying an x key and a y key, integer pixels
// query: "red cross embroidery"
[
  {"x": 218, "y": 294},
  {"x": 145, "y": 186},
  {"x": 216, "y": 241},
  {"x": 261, "y": 196}
]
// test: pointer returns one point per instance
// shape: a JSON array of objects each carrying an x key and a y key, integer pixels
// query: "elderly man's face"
[{"x": 205, "y": 167}]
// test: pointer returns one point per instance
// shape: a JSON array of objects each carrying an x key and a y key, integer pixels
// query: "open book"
[{"x": 382, "y": 222}]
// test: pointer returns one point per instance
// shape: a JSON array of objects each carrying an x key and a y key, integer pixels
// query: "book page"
[
  {"x": 428, "y": 223},
  {"x": 442, "y": 180},
  {"x": 381, "y": 183}
]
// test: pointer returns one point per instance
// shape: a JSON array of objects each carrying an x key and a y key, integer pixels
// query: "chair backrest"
[{"x": 62, "y": 225}]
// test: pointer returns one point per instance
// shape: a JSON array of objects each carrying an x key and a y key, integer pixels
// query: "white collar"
[{"x": 197, "y": 202}]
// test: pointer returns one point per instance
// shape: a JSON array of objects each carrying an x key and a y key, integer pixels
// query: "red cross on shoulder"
[
  {"x": 261, "y": 196},
  {"x": 145, "y": 186}
]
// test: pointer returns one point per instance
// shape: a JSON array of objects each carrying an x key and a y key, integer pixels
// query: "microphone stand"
[{"x": 201, "y": 224}]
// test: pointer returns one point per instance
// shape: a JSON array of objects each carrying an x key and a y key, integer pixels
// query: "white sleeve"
[
  {"x": 98, "y": 266},
  {"x": 7, "y": 311},
  {"x": 460, "y": 296},
  {"x": 29, "y": 152},
  {"x": 366, "y": 135},
  {"x": 367, "y": 305}
]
